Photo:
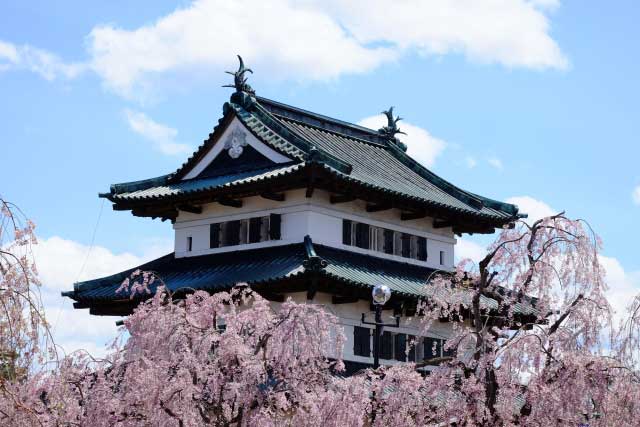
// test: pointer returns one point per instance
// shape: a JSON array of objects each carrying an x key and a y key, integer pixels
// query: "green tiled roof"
[
  {"x": 168, "y": 187},
  {"x": 268, "y": 266},
  {"x": 207, "y": 272},
  {"x": 349, "y": 153}
]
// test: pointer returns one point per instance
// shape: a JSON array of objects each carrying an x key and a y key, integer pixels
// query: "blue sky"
[{"x": 509, "y": 98}]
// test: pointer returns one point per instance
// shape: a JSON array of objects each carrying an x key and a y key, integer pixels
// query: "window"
[
  {"x": 386, "y": 345},
  {"x": 381, "y": 239},
  {"x": 361, "y": 341},
  {"x": 400, "y": 347},
  {"x": 441, "y": 257},
  {"x": 435, "y": 347},
  {"x": 432, "y": 347},
  {"x": 243, "y": 231},
  {"x": 447, "y": 351},
  {"x": 189, "y": 243},
  {"x": 411, "y": 342}
]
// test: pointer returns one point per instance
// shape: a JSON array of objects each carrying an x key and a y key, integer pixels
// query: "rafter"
[
  {"x": 190, "y": 208},
  {"x": 335, "y": 299},
  {"x": 278, "y": 197},
  {"x": 341, "y": 198},
  {"x": 441, "y": 223},
  {"x": 408, "y": 216},
  {"x": 371, "y": 207},
  {"x": 227, "y": 201}
]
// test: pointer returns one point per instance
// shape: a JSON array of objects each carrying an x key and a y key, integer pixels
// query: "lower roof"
[{"x": 262, "y": 266}]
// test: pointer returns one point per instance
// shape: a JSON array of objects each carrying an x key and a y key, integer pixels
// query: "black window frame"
[
  {"x": 386, "y": 346},
  {"x": 361, "y": 341},
  {"x": 227, "y": 233},
  {"x": 400, "y": 347},
  {"x": 429, "y": 351},
  {"x": 397, "y": 243}
]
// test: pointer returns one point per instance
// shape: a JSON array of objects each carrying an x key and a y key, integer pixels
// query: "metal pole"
[{"x": 377, "y": 337}]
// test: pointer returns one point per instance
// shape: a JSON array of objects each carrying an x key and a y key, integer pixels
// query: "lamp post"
[{"x": 380, "y": 295}]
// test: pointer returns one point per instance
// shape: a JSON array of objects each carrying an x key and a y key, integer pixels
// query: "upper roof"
[{"x": 325, "y": 153}]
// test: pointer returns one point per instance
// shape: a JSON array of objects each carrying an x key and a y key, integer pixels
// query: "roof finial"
[
  {"x": 239, "y": 80},
  {"x": 391, "y": 129}
]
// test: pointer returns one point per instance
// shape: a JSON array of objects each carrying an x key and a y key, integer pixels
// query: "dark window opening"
[
  {"x": 361, "y": 341},
  {"x": 243, "y": 231},
  {"x": 189, "y": 243},
  {"x": 386, "y": 347},
  {"x": 450, "y": 352},
  {"x": 411, "y": 342},
  {"x": 432, "y": 347},
  {"x": 379, "y": 239},
  {"x": 400, "y": 347}
]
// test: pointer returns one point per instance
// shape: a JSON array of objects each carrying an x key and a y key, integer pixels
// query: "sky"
[{"x": 532, "y": 102}]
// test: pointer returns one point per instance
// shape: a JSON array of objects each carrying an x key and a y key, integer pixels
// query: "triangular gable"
[{"x": 237, "y": 149}]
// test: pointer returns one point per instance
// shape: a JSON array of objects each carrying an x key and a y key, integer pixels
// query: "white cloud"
[
  {"x": 495, "y": 162},
  {"x": 161, "y": 136},
  {"x": 635, "y": 195},
  {"x": 304, "y": 40},
  {"x": 59, "y": 262},
  {"x": 623, "y": 285},
  {"x": 536, "y": 209},
  {"x": 421, "y": 145},
  {"x": 298, "y": 42},
  {"x": 39, "y": 61},
  {"x": 319, "y": 40},
  {"x": 469, "y": 249},
  {"x": 470, "y": 162},
  {"x": 545, "y": 4}
]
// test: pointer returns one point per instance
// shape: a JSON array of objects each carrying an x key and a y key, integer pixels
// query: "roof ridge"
[
  {"x": 343, "y": 135},
  {"x": 316, "y": 116}
]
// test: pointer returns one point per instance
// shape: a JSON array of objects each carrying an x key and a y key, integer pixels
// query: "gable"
[{"x": 237, "y": 149}]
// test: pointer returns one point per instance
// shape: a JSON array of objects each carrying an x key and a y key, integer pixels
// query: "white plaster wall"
[
  {"x": 349, "y": 315},
  {"x": 315, "y": 217}
]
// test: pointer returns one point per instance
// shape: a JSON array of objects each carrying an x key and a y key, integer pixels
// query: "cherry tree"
[
  {"x": 23, "y": 333},
  {"x": 533, "y": 343}
]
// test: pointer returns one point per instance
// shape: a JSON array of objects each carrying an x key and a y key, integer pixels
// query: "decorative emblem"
[
  {"x": 239, "y": 80},
  {"x": 235, "y": 143}
]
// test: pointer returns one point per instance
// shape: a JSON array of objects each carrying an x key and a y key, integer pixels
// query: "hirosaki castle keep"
[{"x": 298, "y": 204}]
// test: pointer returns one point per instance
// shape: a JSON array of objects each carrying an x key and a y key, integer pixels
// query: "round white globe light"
[{"x": 380, "y": 294}]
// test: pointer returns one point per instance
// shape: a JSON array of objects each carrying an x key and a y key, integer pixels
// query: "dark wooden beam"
[
  {"x": 377, "y": 208},
  {"x": 278, "y": 197},
  {"x": 387, "y": 306},
  {"x": 190, "y": 208},
  {"x": 270, "y": 296},
  {"x": 408, "y": 216},
  {"x": 309, "y": 193},
  {"x": 164, "y": 214},
  {"x": 227, "y": 201},
  {"x": 341, "y": 198},
  {"x": 473, "y": 229},
  {"x": 335, "y": 299},
  {"x": 312, "y": 289},
  {"x": 311, "y": 176},
  {"x": 398, "y": 309},
  {"x": 441, "y": 223}
]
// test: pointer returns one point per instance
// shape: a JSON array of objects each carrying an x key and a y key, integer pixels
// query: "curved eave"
[{"x": 302, "y": 175}]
